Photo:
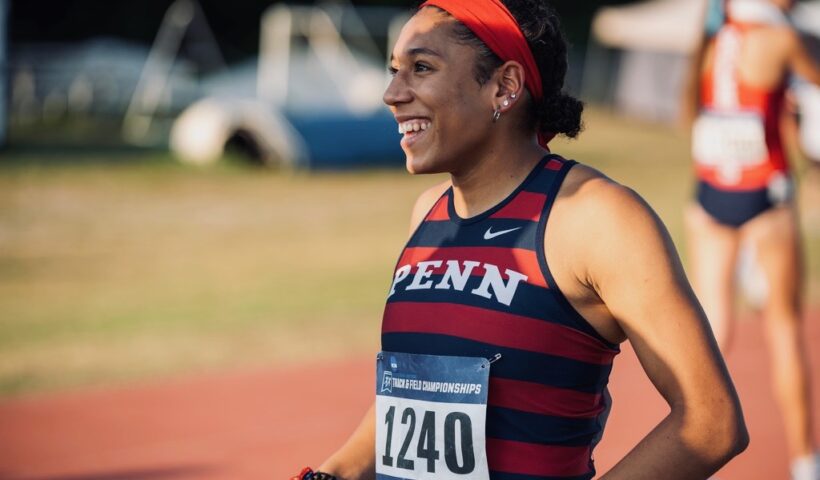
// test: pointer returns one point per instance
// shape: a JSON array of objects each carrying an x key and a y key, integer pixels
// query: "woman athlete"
[
  {"x": 745, "y": 195},
  {"x": 522, "y": 276}
]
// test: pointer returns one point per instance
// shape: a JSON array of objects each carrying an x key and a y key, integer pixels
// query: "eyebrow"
[{"x": 412, "y": 52}]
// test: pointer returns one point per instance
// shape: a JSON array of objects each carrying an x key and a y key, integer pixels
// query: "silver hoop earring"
[{"x": 496, "y": 114}]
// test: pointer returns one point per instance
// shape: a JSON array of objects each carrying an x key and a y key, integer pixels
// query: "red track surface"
[{"x": 267, "y": 424}]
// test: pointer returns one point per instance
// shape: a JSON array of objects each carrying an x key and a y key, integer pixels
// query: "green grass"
[{"x": 117, "y": 269}]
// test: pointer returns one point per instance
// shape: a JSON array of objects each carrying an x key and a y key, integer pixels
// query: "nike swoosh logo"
[{"x": 489, "y": 234}]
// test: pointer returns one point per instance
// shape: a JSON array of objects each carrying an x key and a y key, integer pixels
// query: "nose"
[{"x": 397, "y": 91}]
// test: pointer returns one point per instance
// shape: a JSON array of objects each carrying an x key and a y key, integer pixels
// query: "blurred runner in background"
[{"x": 745, "y": 193}]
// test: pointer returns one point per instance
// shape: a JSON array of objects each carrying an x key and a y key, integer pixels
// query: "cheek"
[
  {"x": 465, "y": 116},
  {"x": 461, "y": 101}
]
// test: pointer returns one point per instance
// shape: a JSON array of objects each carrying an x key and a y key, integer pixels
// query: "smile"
[{"x": 413, "y": 126}]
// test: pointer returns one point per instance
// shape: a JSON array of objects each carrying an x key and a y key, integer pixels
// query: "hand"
[{"x": 308, "y": 474}]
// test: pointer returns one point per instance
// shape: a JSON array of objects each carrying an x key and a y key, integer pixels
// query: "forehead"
[{"x": 428, "y": 28}]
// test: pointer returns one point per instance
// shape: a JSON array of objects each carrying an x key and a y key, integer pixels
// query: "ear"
[{"x": 509, "y": 82}]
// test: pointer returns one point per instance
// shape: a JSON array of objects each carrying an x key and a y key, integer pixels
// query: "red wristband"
[
  {"x": 307, "y": 473},
  {"x": 303, "y": 474}
]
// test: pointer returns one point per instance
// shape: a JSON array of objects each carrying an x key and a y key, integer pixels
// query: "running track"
[{"x": 267, "y": 424}]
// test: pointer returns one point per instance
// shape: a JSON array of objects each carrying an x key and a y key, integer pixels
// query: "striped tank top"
[{"x": 479, "y": 287}]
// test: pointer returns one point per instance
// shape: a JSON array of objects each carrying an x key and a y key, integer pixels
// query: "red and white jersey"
[{"x": 736, "y": 141}]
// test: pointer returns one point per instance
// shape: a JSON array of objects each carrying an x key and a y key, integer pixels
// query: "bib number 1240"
[{"x": 459, "y": 456}]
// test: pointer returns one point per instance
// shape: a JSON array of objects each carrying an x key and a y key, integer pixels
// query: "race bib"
[
  {"x": 730, "y": 143},
  {"x": 430, "y": 417}
]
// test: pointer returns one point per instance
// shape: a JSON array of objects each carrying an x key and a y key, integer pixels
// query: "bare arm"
[
  {"x": 356, "y": 460},
  {"x": 801, "y": 61},
  {"x": 630, "y": 263}
]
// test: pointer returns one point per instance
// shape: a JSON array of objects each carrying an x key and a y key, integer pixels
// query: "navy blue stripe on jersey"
[
  {"x": 509, "y": 424},
  {"x": 517, "y": 476},
  {"x": 532, "y": 177},
  {"x": 549, "y": 184},
  {"x": 449, "y": 234},
  {"x": 530, "y": 301},
  {"x": 514, "y": 364},
  {"x": 511, "y": 476}
]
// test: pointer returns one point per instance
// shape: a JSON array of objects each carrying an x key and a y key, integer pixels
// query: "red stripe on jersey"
[
  {"x": 534, "y": 459},
  {"x": 554, "y": 164},
  {"x": 543, "y": 399},
  {"x": 497, "y": 328},
  {"x": 516, "y": 259},
  {"x": 525, "y": 206},
  {"x": 439, "y": 210},
  {"x": 751, "y": 178}
]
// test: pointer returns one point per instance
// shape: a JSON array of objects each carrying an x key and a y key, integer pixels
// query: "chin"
[
  {"x": 413, "y": 164},
  {"x": 417, "y": 166}
]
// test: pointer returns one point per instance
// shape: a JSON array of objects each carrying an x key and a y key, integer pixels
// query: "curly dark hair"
[{"x": 557, "y": 112}]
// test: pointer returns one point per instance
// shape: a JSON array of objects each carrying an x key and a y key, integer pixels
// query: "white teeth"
[{"x": 413, "y": 126}]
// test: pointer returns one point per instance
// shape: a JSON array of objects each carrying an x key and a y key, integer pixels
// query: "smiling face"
[{"x": 442, "y": 111}]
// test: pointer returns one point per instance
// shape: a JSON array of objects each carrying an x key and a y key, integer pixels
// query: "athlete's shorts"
[{"x": 736, "y": 207}]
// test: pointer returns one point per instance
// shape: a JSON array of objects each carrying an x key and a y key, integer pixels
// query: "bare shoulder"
[
  {"x": 787, "y": 33},
  {"x": 607, "y": 214},
  {"x": 591, "y": 194},
  {"x": 780, "y": 38},
  {"x": 425, "y": 202},
  {"x": 602, "y": 242},
  {"x": 599, "y": 234}
]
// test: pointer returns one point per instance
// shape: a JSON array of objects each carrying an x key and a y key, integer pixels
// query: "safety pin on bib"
[{"x": 491, "y": 360}]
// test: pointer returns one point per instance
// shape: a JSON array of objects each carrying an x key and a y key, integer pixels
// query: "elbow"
[
  {"x": 721, "y": 436},
  {"x": 730, "y": 436},
  {"x": 737, "y": 439},
  {"x": 741, "y": 438},
  {"x": 737, "y": 436}
]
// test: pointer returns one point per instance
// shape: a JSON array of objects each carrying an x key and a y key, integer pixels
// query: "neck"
[{"x": 494, "y": 175}]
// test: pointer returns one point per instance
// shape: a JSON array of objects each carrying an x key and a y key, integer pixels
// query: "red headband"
[{"x": 491, "y": 22}]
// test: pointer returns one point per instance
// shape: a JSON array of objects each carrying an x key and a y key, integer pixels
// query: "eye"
[
  {"x": 392, "y": 70},
  {"x": 421, "y": 67}
]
